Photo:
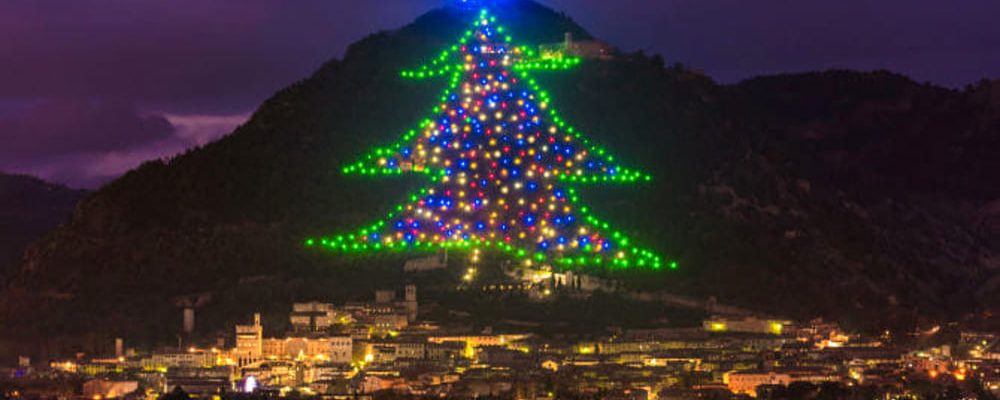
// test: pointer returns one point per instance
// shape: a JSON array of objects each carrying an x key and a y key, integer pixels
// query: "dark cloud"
[
  {"x": 86, "y": 143},
  {"x": 228, "y": 55},
  {"x": 72, "y": 126},
  {"x": 180, "y": 55},
  {"x": 205, "y": 64}
]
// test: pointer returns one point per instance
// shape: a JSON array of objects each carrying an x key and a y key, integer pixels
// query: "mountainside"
[
  {"x": 842, "y": 194},
  {"x": 29, "y": 207}
]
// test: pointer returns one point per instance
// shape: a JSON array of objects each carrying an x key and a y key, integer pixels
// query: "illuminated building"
[
  {"x": 334, "y": 349},
  {"x": 202, "y": 381},
  {"x": 644, "y": 346},
  {"x": 315, "y": 317},
  {"x": 480, "y": 340},
  {"x": 747, "y": 382},
  {"x": 391, "y": 351},
  {"x": 410, "y": 302},
  {"x": 385, "y": 314},
  {"x": 384, "y": 323},
  {"x": 747, "y": 325},
  {"x": 447, "y": 351},
  {"x": 249, "y": 342},
  {"x": 179, "y": 359},
  {"x": 593, "y": 49}
]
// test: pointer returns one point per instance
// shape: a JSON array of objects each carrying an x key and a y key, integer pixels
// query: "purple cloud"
[
  {"x": 86, "y": 143},
  {"x": 70, "y": 126},
  {"x": 193, "y": 69},
  {"x": 202, "y": 57}
]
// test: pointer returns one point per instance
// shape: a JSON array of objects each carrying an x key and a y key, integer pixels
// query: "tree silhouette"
[{"x": 501, "y": 164}]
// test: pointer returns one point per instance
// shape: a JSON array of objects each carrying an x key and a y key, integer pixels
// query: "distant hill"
[
  {"x": 861, "y": 196},
  {"x": 29, "y": 207}
]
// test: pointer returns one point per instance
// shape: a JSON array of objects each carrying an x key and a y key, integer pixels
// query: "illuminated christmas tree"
[{"x": 501, "y": 163}]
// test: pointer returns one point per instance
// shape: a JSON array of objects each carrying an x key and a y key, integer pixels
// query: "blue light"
[{"x": 529, "y": 220}]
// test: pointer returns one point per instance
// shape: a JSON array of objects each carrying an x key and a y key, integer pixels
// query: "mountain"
[
  {"x": 861, "y": 196},
  {"x": 29, "y": 207}
]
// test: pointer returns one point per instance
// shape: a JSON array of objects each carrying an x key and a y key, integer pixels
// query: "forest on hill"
[{"x": 841, "y": 194}]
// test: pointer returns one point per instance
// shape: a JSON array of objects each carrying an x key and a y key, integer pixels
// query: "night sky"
[{"x": 90, "y": 88}]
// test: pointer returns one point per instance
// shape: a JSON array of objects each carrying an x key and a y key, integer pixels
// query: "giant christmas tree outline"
[{"x": 467, "y": 141}]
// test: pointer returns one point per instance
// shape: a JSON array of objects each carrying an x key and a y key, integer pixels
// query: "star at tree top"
[{"x": 498, "y": 157}]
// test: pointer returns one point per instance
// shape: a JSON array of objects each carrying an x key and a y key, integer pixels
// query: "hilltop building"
[{"x": 591, "y": 49}]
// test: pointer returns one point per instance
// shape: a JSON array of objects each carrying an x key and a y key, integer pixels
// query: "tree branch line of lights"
[{"x": 495, "y": 154}]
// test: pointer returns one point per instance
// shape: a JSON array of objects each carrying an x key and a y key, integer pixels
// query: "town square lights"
[{"x": 501, "y": 163}]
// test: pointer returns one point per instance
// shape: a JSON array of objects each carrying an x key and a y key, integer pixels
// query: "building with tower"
[
  {"x": 592, "y": 49},
  {"x": 249, "y": 342}
]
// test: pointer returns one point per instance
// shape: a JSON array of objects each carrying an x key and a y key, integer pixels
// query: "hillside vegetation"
[{"x": 840, "y": 194}]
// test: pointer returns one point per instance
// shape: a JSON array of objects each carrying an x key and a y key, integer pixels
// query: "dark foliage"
[
  {"x": 857, "y": 196},
  {"x": 29, "y": 207}
]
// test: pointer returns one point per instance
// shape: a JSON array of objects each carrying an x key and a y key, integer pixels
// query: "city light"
[{"x": 250, "y": 384}]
